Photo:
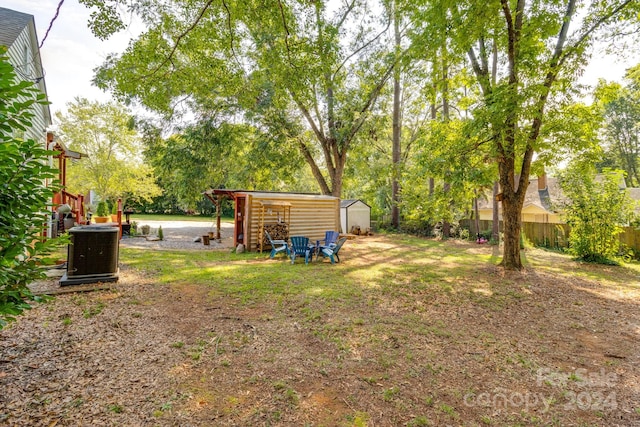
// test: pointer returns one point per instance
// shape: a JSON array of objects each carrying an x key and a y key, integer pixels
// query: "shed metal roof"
[{"x": 345, "y": 203}]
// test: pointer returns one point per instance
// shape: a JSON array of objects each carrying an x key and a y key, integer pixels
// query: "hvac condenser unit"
[{"x": 92, "y": 255}]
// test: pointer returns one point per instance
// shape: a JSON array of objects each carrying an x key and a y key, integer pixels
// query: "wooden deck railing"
[{"x": 76, "y": 203}]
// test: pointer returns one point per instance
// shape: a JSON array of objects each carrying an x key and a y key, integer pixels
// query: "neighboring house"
[
  {"x": 18, "y": 34},
  {"x": 542, "y": 201}
]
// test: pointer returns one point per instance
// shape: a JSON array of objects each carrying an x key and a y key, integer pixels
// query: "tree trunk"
[
  {"x": 495, "y": 229},
  {"x": 476, "y": 215},
  {"x": 395, "y": 185},
  {"x": 512, "y": 227},
  {"x": 446, "y": 225}
]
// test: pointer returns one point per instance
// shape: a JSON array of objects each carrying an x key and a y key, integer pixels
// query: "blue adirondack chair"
[
  {"x": 300, "y": 247},
  {"x": 277, "y": 246},
  {"x": 332, "y": 252},
  {"x": 330, "y": 238}
]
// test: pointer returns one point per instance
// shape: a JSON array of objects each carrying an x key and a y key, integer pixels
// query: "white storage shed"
[{"x": 354, "y": 213}]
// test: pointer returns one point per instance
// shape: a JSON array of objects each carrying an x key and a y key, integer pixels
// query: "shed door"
[{"x": 238, "y": 229}]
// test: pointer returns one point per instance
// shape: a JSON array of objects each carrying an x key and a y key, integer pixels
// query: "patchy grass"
[{"x": 404, "y": 331}]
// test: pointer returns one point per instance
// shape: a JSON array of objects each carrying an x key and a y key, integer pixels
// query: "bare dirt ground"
[{"x": 517, "y": 349}]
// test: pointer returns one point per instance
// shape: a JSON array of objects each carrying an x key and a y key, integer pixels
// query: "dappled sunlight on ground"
[{"x": 403, "y": 331}]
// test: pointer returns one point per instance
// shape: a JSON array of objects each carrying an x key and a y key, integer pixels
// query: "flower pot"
[
  {"x": 69, "y": 223},
  {"x": 212, "y": 235},
  {"x": 205, "y": 239},
  {"x": 114, "y": 218},
  {"x": 101, "y": 219}
]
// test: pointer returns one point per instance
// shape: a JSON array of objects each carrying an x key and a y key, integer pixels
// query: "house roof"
[
  {"x": 345, "y": 203},
  {"x": 13, "y": 23},
  {"x": 547, "y": 199},
  {"x": 634, "y": 193},
  {"x": 551, "y": 198}
]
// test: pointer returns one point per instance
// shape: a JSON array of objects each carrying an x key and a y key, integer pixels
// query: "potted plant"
[
  {"x": 102, "y": 213},
  {"x": 114, "y": 211}
]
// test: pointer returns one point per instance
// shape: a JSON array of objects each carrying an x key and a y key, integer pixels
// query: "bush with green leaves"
[
  {"x": 23, "y": 194},
  {"x": 596, "y": 208},
  {"x": 102, "y": 209}
]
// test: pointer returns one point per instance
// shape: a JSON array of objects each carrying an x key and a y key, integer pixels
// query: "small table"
[{"x": 326, "y": 250}]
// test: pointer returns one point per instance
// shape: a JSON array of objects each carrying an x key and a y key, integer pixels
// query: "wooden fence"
[{"x": 552, "y": 235}]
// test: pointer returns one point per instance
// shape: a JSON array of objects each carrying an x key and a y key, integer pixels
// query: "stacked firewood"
[{"x": 278, "y": 231}]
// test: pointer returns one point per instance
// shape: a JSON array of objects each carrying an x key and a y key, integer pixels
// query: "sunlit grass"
[{"x": 401, "y": 266}]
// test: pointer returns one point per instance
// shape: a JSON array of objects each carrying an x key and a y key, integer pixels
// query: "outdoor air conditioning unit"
[{"x": 92, "y": 255}]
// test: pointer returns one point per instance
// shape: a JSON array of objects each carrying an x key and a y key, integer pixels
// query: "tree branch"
[
  {"x": 596, "y": 25},
  {"x": 315, "y": 170},
  {"x": 179, "y": 38},
  {"x": 361, "y": 48},
  {"x": 367, "y": 105},
  {"x": 346, "y": 13}
]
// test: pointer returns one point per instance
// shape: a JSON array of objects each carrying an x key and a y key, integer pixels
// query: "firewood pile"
[{"x": 278, "y": 231}]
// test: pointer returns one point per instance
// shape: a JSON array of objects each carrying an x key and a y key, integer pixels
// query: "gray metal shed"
[{"x": 354, "y": 213}]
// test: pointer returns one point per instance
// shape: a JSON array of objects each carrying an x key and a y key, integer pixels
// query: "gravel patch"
[{"x": 181, "y": 235}]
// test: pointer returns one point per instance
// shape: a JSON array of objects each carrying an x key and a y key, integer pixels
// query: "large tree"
[
  {"x": 539, "y": 49},
  {"x": 213, "y": 154},
  {"x": 309, "y": 71},
  {"x": 621, "y": 136},
  {"x": 113, "y": 166}
]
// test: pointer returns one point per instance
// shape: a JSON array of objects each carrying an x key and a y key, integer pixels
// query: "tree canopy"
[
  {"x": 113, "y": 165},
  {"x": 498, "y": 76}
]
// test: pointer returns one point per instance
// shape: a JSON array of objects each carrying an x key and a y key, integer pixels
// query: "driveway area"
[{"x": 181, "y": 235}]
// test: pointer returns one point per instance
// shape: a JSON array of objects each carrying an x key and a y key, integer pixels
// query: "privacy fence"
[{"x": 552, "y": 235}]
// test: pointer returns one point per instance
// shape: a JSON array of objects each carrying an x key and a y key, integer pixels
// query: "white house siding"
[{"x": 24, "y": 56}]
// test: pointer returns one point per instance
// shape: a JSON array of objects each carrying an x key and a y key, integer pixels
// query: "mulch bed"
[{"x": 146, "y": 354}]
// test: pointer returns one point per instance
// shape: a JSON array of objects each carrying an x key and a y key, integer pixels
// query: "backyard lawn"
[{"x": 403, "y": 332}]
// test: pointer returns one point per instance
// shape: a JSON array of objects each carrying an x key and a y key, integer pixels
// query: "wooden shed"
[
  {"x": 354, "y": 213},
  {"x": 281, "y": 214}
]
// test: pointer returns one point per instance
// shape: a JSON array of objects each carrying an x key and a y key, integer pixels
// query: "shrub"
[
  {"x": 596, "y": 210},
  {"x": 23, "y": 194},
  {"x": 102, "y": 209}
]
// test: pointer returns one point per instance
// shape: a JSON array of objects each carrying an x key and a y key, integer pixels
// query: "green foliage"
[
  {"x": 102, "y": 209},
  {"x": 113, "y": 166},
  {"x": 621, "y": 139},
  {"x": 524, "y": 59},
  {"x": 160, "y": 233},
  {"x": 23, "y": 194},
  {"x": 307, "y": 74},
  {"x": 596, "y": 209},
  {"x": 213, "y": 154}
]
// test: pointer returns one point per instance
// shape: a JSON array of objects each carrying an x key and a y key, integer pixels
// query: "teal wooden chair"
[
  {"x": 277, "y": 246},
  {"x": 330, "y": 238},
  {"x": 300, "y": 247},
  {"x": 332, "y": 252}
]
